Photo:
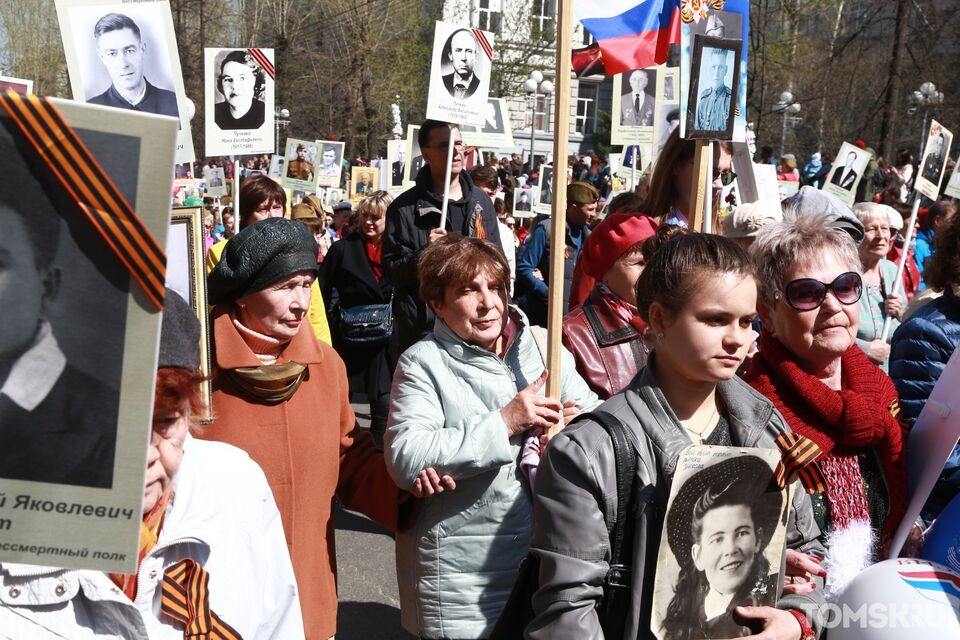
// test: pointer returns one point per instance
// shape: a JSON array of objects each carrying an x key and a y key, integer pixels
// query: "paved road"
[{"x": 367, "y": 578}]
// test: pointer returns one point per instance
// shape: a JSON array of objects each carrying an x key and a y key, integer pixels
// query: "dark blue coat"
[{"x": 918, "y": 354}]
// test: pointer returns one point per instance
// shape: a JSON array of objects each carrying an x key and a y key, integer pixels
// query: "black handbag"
[
  {"x": 368, "y": 324},
  {"x": 612, "y": 609}
]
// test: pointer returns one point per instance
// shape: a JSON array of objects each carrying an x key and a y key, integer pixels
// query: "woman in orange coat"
[{"x": 282, "y": 396}]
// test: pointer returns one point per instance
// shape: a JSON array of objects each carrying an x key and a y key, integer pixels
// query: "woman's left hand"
[
  {"x": 893, "y": 305},
  {"x": 777, "y": 624},
  {"x": 570, "y": 411},
  {"x": 429, "y": 482}
]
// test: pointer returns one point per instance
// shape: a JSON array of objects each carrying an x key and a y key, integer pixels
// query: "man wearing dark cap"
[
  {"x": 413, "y": 221},
  {"x": 535, "y": 253}
]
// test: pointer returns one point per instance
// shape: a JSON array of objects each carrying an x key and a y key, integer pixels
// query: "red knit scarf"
[
  {"x": 374, "y": 253},
  {"x": 863, "y": 414}
]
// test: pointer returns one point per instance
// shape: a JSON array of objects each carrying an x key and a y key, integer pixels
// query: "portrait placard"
[
  {"x": 713, "y": 85},
  {"x": 187, "y": 276},
  {"x": 935, "y": 153},
  {"x": 545, "y": 188},
  {"x": 524, "y": 199},
  {"x": 329, "y": 163},
  {"x": 787, "y": 188},
  {"x": 123, "y": 54},
  {"x": 396, "y": 165},
  {"x": 73, "y": 440},
  {"x": 953, "y": 186},
  {"x": 277, "y": 163},
  {"x": 300, "y": 165},
  {"x": 16, "y": 84},
  {"x": 216, "y": 182},
  {"x": 846, "y": 172},
  {"x": 460, "y": 74},
  {"x": 667, "y": 113},
  {"x": 495, "y": 132},
  {"x": 413, "y": 152},
  {"x": 732, "y": 22},
  {"x": 634, "y": 106},
  {"x": 238, "y": 101},
  {"x": 363, "y": 182},
  {"x": 722, "y": 542}
]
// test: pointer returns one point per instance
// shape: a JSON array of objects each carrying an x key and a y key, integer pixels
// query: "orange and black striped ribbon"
[
  {"x": 484, "y": 43},
  {"x": 798, "y": 457},
  {"x": 186, "y": 599},
  {"x": 263, "y": 61},
  {"x": 76, "y": 169}
]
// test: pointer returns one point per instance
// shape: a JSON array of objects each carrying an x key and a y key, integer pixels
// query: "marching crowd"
[{"x": 772, "y": 326}]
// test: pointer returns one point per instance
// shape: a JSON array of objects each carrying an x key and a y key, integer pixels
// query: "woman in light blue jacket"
[{"x": 464, "y": 399}]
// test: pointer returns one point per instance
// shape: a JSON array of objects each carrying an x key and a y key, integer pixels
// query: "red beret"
[
  {"x": 860, "y": 143},
  {"x": 611, "y": 239}
]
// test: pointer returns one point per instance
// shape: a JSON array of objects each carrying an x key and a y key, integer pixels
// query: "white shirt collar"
[{"x": 36, "y": 371}]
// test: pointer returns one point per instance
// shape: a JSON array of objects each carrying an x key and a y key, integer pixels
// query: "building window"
[
  {"x": 543, "y": 15},
  {"x": 488, "y": 15},
  {"x": 584, "y": 37},
  {"x": 541, "y": 117},
  {"x": 586, "y": 119}
]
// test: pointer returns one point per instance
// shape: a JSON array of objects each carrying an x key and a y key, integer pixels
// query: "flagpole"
[
  {"x": 558, "y": 228},
  {"x": 633, "y": 167},
  {"x": 446, "y": 182},
  {"x": 702, "y": 165},
  {"x": 902, "y": 263}
]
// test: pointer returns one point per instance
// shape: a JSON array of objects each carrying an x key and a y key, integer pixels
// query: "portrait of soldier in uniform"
[
  {"x": 933, "y": 164},
  {"x": 636, "y": 105},
  {"x": 300, "y": 168},
  {"x": 713, "y": 106}
]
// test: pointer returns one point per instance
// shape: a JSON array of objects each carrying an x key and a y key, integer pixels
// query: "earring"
[{"x": 660, "y": 336}]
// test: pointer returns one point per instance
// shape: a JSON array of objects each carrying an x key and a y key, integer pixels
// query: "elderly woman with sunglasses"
[{"x": 810, "y": 366}]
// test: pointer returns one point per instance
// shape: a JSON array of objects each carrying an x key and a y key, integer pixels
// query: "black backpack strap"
[{"x": 617, "y": 582}]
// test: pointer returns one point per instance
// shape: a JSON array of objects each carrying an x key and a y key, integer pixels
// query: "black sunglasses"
[
  {"x": 726, "y": 177},
  {"x": 805, "y": 294}
]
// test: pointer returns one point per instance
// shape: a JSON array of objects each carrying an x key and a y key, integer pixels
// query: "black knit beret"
[
  {"x": 262, "y": 253},
  {"x": 179, "y": 334}
]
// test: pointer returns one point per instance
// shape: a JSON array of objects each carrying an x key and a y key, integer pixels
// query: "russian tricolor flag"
[{"x": 631, "y": 34}]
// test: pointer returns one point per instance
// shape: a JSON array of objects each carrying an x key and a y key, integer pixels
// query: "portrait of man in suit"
[
  {"x": 713, "y": 107},
  {"x": 122, "y": 51},
  {"x": 845, "y": 177},
  {"x": 933, "y": 165},
  {"x": 494, "y": 120},
  {"x": 636, "y": 105},
  {"x": 396, "y": 174},
  {"x": 460, "y": 51}
]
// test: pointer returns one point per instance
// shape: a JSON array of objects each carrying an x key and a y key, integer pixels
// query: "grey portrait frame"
[{"x": 701, "y": 43}]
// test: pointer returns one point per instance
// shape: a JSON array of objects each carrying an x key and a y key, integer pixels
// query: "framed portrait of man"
[
  {"x": 217, "y": 182},
  {"x": 545, "y": 188},
  {"x": 124, "y": 55},
  {"x": 396, "y": 165},
  {"x": 300, "y": 165},
  {"x": 16, "y": 84},
  {"x": 953, "y": 186},
  {"x": 524, "y": 201},
  {"x": 460, "y": 74},
  {"x": 187, "y": 277},
  {"x": 934, "y": 160},
  {"x": 731, "y": 23},
  {"x": 723, "y": 539},
  {"x": 329, "y": 163},
  {"x": 80, "y": 331},
  {"x": 239, "y": 101},
  {"x": 495, "y": 132},
  {"x": 713, "y": 87},
  {"x": 667, "y": 112},
  {"x": 363, "y": 182},
  {"x": 847, "y": 170},
  {"x": 634, "y": 106}
]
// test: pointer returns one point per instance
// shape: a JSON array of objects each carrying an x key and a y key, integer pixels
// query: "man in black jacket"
[{"x": 413, "y": 221}]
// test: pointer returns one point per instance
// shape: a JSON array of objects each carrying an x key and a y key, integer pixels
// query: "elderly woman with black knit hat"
[
  {"x": 605, "y": 334},
  {"x": 282, "y": 395},
  {"x": 210, "y": 525}
]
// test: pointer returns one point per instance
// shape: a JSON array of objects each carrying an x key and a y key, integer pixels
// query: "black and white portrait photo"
[
  {"x": 495, "y": 130},
  {"x": 845, "y": 173},
  {"x": 413, "y": 152},
  {"x": 936, "y": 150},
  {"x": 329, "y": 164},
  {"x": 637, "y": 98},
  {"x": 460, "y": 74},
  {"x": 524, "y": 201},
  {"x": 396, "y": 163},
  {"x": 546, "y": 185},
  {"x": 722, "y": 541},
  {"x": 714, "y": 83},
  {"x": 241, "y": 84},
  {"x": 239, "y": 101},
  {"x": 125, "y": 56}
]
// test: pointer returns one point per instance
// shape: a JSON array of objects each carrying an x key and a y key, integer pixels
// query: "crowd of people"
[{"x": 774, "y": 325}]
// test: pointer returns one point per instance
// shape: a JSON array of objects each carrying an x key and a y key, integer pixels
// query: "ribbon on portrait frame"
[
  {"x": 484, "y": 43},
  {"x": 263, "y": 61},
  {"x": 798, "y": 456},
  {"x": 88, "y": 185}
]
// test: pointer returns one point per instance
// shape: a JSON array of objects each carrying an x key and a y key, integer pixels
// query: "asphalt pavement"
[{"x": 367, "y": 577}]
